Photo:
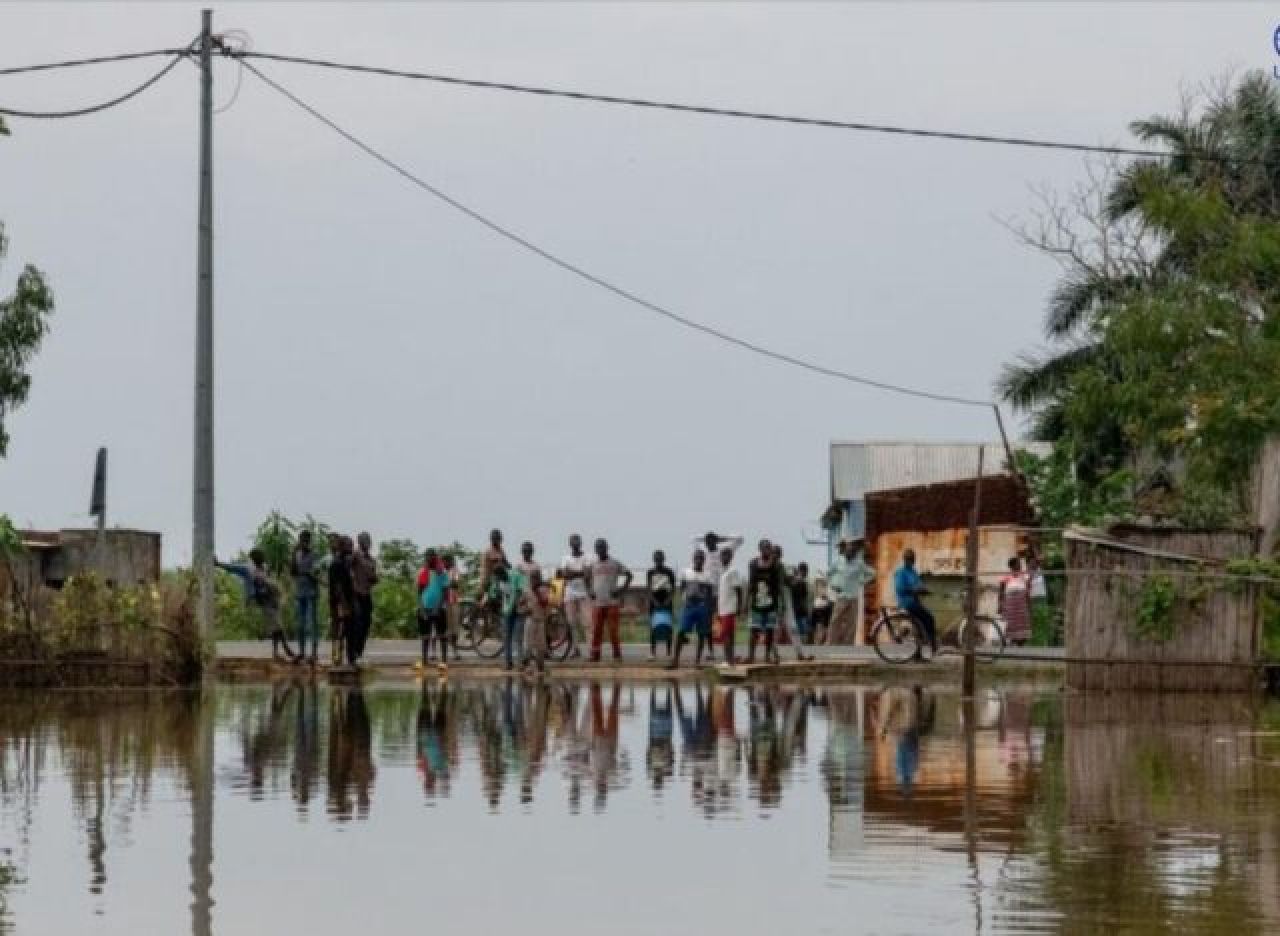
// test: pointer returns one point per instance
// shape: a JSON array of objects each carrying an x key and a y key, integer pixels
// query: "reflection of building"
[{"x": 917, "y": 777}]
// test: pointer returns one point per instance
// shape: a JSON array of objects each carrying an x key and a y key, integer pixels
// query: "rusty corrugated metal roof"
[{"x": 861, "y": 467}]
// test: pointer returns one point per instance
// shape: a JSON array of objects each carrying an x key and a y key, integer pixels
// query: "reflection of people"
[
  {"x": 433, "y": 724},
  {"x": 919, "y": 724},
  {"x": 605, "y": 763},
  {"x": 351, "y": 767},
  {"x": 306, "y": 753},
  {"x": 660, "y": 756}
]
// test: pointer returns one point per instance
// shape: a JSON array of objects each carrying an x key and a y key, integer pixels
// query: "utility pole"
[
  {"x": 202, "y": 506},
  {"x": 971, "y": 600}
]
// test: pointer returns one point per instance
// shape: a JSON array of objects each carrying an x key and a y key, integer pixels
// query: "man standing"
[
  {"x": 491, "y": 558},
  {"x": 342, "y": 596},
  {"x": 305, "y": 591},
  {"x": 847, "y": 581},
  {"x": 607, "y": 579},
  {"x": 697, "y": 593},
  {"x": 764, "y": 590},
  {"x": 908, "y": 587},
  {"x": 661, "y": 582},
  {"x": 577, "y": 605},
  {"x": 728, "y": 602},
  {"x": 364, "y": 575},
  {"x": 714, "y": 544}
]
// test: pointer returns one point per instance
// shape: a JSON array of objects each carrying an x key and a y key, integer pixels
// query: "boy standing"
[
  {"x": 364, "y": 575},
  {"x": 661, "y": 582},
  {"x": 305, "y": 590},
  {"x": 342, "y": 596},
  {"x": 801, "y": 604},
  {"x": 432, "y": 623},
  {"x": 729, "y": 602},
  {"x": 697, "y": 594},
  {"x": 607, "y": 579},
  {"x": 764, "y": 586},
  {"x": 577, "y": 604}
]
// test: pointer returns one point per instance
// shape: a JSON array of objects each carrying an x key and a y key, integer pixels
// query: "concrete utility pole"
[
  {"x": 202, "y": 506},
  {"x": 974, "y": 555}
]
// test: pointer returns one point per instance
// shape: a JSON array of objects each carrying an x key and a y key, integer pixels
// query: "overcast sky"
[{"x": 386, "y": 364}]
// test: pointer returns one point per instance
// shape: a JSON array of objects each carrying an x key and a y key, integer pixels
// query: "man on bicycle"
[{"x": 908, "y": 586}]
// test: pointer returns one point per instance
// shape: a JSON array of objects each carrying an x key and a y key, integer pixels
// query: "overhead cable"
[
  {"x": 599, "y": 281},
  {"x": 99, "y": 60},
  {"x": 95, "y": 108},
  {"x": 828, "y": 123}
]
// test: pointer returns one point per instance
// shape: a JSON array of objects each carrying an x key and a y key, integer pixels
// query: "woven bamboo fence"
[{"x": 1213, "y": 639}]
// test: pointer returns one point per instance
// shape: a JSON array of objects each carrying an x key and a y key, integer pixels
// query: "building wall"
[
  {"x": 942, "y": 555},
  {"x": 129, "y": 557}
]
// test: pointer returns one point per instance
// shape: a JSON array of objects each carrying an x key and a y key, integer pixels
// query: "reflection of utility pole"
[
  {"x": 969, "y": 715},
  {"x": 201, "y": 774},
  {"x": 202, "y": 479}
]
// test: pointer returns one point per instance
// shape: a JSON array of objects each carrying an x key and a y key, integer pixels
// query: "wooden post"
[{"x": 971, "y": 601}]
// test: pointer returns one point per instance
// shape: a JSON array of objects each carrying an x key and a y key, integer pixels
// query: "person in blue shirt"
[
  {"x": 432, "y": 623},
  {"x": 908, "y": 586}
]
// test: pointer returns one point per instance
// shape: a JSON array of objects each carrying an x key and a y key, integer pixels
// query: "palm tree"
[{"x": 1232, "y": 148}]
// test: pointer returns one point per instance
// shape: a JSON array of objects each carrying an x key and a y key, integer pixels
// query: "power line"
[
  {"x": 99, "y": 60},
  {"x": 710, "y": 111},
  {"x": 95, "y": 108},
  {"x": 595, "y": 280}
]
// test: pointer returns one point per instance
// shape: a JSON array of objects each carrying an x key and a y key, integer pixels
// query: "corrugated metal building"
[{"x": 860, "y": 468}]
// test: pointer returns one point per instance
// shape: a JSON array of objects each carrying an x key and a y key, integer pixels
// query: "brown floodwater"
[{"x": 635, "y": 808}]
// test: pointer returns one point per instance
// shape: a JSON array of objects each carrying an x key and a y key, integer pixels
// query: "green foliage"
[
  {"x": 24, "y": 321},
  {"x": 1156, "y": 606},
  {"x": 1061, "y": 499},
  {"x": 1165, "y": 343},
  {"x": 10, "y": 539}
]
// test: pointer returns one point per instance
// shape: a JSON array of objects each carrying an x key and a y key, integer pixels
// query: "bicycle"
[
  {"x": 896, "y": 636},
  {"x": 482, "y": 631}
]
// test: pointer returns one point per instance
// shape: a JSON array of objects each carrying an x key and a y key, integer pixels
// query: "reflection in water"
[{"x": 1016, "y": 812}]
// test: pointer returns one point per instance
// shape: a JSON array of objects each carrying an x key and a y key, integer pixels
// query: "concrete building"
[{"x": 128, "y": 557}]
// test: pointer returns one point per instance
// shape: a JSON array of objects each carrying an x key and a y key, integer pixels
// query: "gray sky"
[{"x": 385, "y": 364}]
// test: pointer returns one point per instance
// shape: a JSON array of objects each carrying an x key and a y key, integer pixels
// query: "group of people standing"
[
  {"x": 350, "y": 571},
  {"x": 705, "y": 604},
  {"x": 776, "y": 604}
]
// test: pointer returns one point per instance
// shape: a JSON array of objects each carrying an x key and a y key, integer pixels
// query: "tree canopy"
[{"x": 24, "y": 321}]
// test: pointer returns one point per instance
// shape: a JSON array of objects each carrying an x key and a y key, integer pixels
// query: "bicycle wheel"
[
  {"x": 559, "y": 640},
  {"x": 486, "y": 633},
  {"x": 894, "y": 637},
  {"x": 988, "y": 638},
  {"x": 465, "y": 638}
]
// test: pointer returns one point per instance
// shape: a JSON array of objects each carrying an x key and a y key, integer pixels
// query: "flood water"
[{"x": 635, "y": 808}]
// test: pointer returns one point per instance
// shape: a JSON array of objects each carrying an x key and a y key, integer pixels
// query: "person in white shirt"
[
  {"x": 577, "y": 604},
  {"x": 713, "y": 543},
  {"x": 697, "y": 591},
  {"x": 729, "y": 602}
]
